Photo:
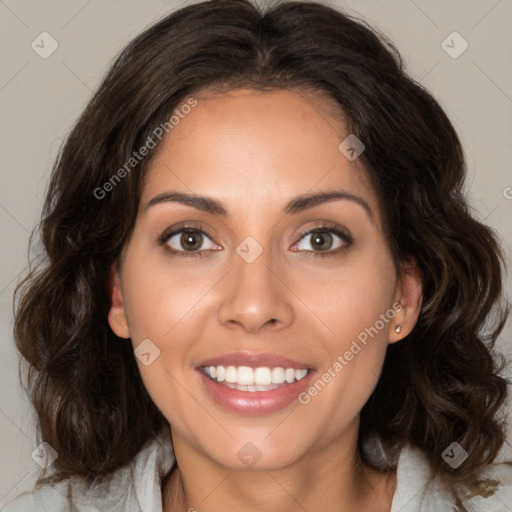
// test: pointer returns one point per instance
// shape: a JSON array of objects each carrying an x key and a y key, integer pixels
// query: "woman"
[{"x": 263, "y": 289}]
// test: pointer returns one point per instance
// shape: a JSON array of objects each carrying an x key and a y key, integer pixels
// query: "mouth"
[
  {"x": 260, "y": 379},
  {"x": 254, "y": 383}
]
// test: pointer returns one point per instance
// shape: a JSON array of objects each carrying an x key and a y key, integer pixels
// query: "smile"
[
  {"x": 254, "y": 384},
  {"x": 245, "y": 378}
]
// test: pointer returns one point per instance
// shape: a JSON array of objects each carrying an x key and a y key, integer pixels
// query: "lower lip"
[{"x": 257, "y": 402}]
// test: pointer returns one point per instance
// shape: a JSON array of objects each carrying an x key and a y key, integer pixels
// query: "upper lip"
[{"x": 254, "y": 360}]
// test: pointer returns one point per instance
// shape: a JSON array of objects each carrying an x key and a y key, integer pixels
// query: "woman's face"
[{"x": 245, "y": 294}]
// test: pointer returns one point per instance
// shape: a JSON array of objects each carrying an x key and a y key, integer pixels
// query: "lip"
[
  {"x": 253, "y": 360},
  {"x": 257, "y": 402}
]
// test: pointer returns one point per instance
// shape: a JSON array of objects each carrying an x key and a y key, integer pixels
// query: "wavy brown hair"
[{"x": 440, "y": 384}]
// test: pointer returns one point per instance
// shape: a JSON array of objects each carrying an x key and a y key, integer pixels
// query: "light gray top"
[{"x": 137, "y": 487}]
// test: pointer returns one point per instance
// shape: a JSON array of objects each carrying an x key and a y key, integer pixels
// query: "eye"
[
  {"x": 187, "y": 241},
  {"x": 324, "y": 240},
  {"x": 193, "y": 241}
]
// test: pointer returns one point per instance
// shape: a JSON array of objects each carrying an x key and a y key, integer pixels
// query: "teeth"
[
  {"x": 300, "y": 374},
  {"x": 250, "y": 388},
  {"x": 231, "y": 374},
  {"x": 245, "y": 378},
  {"x": 245, "y": 375},
  {"x": 262, "y": 376},
  {"x": 278, "y": 375}
]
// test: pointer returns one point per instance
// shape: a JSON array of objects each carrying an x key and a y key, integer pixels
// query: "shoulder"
[
  {"x": 488, "y": 491},
  {"x": 77, "y": 495},
  {"x": 135, "y": 487}
]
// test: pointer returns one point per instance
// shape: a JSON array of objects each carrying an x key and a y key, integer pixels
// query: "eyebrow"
[{"x": 296, "y": 205}]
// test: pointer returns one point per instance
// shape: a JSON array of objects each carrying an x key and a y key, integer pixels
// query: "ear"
[
  {"x": 409, "y": 294},
  {"x": 117, "y": 317}
]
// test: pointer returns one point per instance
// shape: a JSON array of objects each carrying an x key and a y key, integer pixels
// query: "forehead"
[{"x": 248, "y": 147}]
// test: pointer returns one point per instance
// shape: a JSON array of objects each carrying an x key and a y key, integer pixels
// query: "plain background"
[{"x": 41, "y": 98}]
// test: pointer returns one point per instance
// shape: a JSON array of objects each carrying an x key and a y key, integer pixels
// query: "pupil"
[
  {"x": 319, "y": 241},
  {"x": 190, "y": 240}
]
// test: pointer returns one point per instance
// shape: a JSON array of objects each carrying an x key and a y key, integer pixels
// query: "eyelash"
[
  {"x": 328, "y": 228},
  {"x": 324, "y": 228}
]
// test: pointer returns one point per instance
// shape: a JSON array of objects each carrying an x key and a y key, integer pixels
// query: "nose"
[{"x": 256, "y": 297}]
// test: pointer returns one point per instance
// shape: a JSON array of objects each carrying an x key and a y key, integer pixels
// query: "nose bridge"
[
  {"x": 252, "y": 265},
  {"x": 254, "y": 296}
]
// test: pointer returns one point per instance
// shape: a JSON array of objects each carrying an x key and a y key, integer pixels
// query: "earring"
[{"x": 398, "y": 328}]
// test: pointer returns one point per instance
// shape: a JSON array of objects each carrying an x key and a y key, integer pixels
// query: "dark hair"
[{"x": 440, "y": 384}]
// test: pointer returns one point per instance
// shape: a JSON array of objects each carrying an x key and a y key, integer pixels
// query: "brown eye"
[
  {"x": 324, "y": 241},
  {"x": 321, "y": 240},
  {"x": 187, "y": 240},
  {"x": 191, "y": 240}
]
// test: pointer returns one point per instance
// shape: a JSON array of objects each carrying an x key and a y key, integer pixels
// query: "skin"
[{"x": 255, "y": 151}]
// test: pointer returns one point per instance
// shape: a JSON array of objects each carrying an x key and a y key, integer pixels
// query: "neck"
[{"x": 318, "y": 482}]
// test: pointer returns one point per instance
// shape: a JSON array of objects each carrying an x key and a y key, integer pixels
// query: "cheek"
[
  {"x": 359, "y": 313},
  {"x": 353, "y": 297},
  {"x": 162, "y": 293},
  {"x": 163, "y": 299}
]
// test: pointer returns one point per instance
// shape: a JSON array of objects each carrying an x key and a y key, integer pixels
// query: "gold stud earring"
[{"x": 398, "y": 328}]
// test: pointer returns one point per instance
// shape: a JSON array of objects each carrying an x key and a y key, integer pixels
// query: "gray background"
[{"x": 41, "y": 98}]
